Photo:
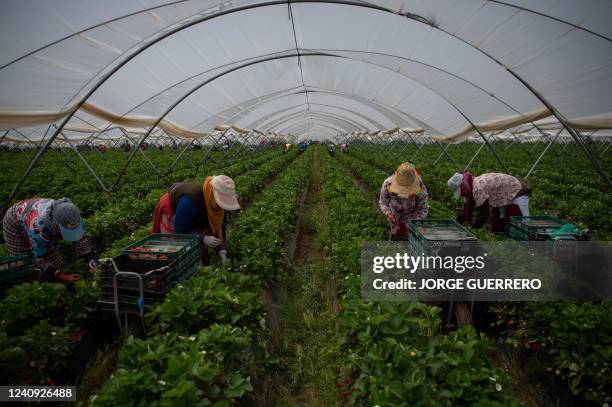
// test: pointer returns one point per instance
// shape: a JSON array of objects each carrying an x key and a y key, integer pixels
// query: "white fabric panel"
[
  {"x": 312, "y": 109},
  {"x": 412, "y": 74},
  {"x": 236, "y": 87},
  {"x": 593, "y": 15},
  {"x": 54, "y": 77},
  {"x": 384, "y": 86},
  {"x": 197, "y": 49},
  {"x": 26, "y": 25},
  {"x": 567, "y": 66},
  {"x": 370, "y": 117}
]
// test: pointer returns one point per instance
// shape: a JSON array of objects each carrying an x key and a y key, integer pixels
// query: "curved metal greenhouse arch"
[{"x": 411, "y": 16}]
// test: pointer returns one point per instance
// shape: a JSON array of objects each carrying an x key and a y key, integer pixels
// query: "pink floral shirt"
[
  {"x": 404, "y": 209},
  {"x": 498, "y": 189}
]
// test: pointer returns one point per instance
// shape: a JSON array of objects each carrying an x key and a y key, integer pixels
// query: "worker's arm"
[
  {"x": 483, "y": 214},
  {"x": 223, "y": 245},
  {"x": 47, "y": 257},
  {"x": 383, "y": 200},
  {"x": 185, "y": 214}
]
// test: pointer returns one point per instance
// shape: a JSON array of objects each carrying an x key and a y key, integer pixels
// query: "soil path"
[{"x": 303, "y": 336}]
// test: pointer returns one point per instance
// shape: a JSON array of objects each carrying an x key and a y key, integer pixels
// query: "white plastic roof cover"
[{"x": 442, "y": 65}]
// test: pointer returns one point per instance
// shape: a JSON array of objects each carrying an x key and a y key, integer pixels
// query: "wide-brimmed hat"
[
  {"x": 224, "y": 191},
  {"x": 68, "y": 217},
  {"x": 454, "y": 184},
  {"x": 406, "y": 181}
]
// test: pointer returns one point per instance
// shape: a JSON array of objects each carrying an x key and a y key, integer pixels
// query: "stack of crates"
[
  {"x": 524, "y": 228},
  {"x": 162, "y": 260},
  {"x": 15, "y": 270},
  {"x": 562, "y": 246},
  {"x": 428, "y": 236}
]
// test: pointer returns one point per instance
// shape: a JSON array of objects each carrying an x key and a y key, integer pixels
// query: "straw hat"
[
  {"x": 406, "y": 181},
  {"x": 224, "y": 191}
]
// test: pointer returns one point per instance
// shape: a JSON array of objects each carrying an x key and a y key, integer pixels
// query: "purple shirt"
[{"x": 404, "y": 209}]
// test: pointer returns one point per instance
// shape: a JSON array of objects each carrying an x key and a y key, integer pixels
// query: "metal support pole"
[
  {"x": 445, "y": 152},
  {"x": 87, "y": 166},
  {"x": 474, "y": 157},
  {"x": 547, "y": 137},
  {"x": 176, "y": 160},
  {"x": 548, "y": 146},
  {"x": 4, "y": 135},
  {"x": 416, "y": 153},
  {"x": 499, "y": 160},
  {"x": 591, "y": 156},
  {"x": 604, "y": 150}
]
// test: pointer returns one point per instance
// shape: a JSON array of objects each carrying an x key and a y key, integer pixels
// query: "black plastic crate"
[
  {"x": 16, "y": 270},
  {"x": 158, "y": 278}
]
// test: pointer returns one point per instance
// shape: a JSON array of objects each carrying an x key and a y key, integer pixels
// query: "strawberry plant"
[
  {"x": 394, "y": 352},
  {"x": 211, "y": 296},
  {"x": 211, "y": 367}
]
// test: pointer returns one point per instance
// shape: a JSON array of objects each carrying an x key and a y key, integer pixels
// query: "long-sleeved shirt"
[
  {"x": 33, "y": 219},
  {"x": 404, "y": 209},
  {"x": 499, "y": 189},
  {"x": 186, "y": 212}
]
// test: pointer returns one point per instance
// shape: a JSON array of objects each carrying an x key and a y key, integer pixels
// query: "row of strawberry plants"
[
  {"x": 134, "y": 194},
  {"x": 61, "y": 173},
  {"x": 81, "y": 298},
  {"x": 113, "y": 221},
  {"x": 570, "y": 340},
  {"x": 248, "y": 185},
  {"x": 573, "y": 194},
  {"x": 189, "y": 368},
  {"x": 394, "y": 354}
]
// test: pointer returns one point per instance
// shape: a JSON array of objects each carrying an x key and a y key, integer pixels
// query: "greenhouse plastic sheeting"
[{"x": 445, "y": 65}]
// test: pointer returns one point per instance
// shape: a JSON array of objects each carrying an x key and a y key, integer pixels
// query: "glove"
[
  {"x": 67, "y": 278},
  {"x": 92, "y": 266},
  {"x": 392, "y": 219},
  {"x": 461, "y": 219},
  {"x": 223, "y": 255},
  {"x": 212, "y": 242}
]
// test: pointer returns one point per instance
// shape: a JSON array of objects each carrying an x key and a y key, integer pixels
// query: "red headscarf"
[
  {"x": 466, "y": 184},
  {"x": 466, "y": 191}
]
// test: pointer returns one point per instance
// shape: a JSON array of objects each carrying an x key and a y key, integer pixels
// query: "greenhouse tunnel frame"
[{"x": 575, "y": 134}]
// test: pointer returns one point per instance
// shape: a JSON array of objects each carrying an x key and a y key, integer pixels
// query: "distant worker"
[
  {"x": 191, "y": 207},
  {"x": 34, "y": 227},
  {"x": 403, "y": 197},
  {"x": 344, "y": 147},
  {"x": 501, "y": 194},
  {"x": 331, "y": 149},
  {"x": 287, "y": 147},
  {"x": 302, "y": 147}
]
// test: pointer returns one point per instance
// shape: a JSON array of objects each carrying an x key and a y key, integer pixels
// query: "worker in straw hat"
[
  {"x": 192, "y": 207},
  {"x": 34, "y": 227},
  {"x": 501, "y": 194},
  {"x": 403, "y": 197}
]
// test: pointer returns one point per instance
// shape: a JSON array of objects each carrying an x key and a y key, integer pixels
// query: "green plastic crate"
[
  {"x": 162, "y": 246},
  {"x": 431, "y": 234},
  {"x": 536, "y": 224},
  {"x": 540, "y": 228}
]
